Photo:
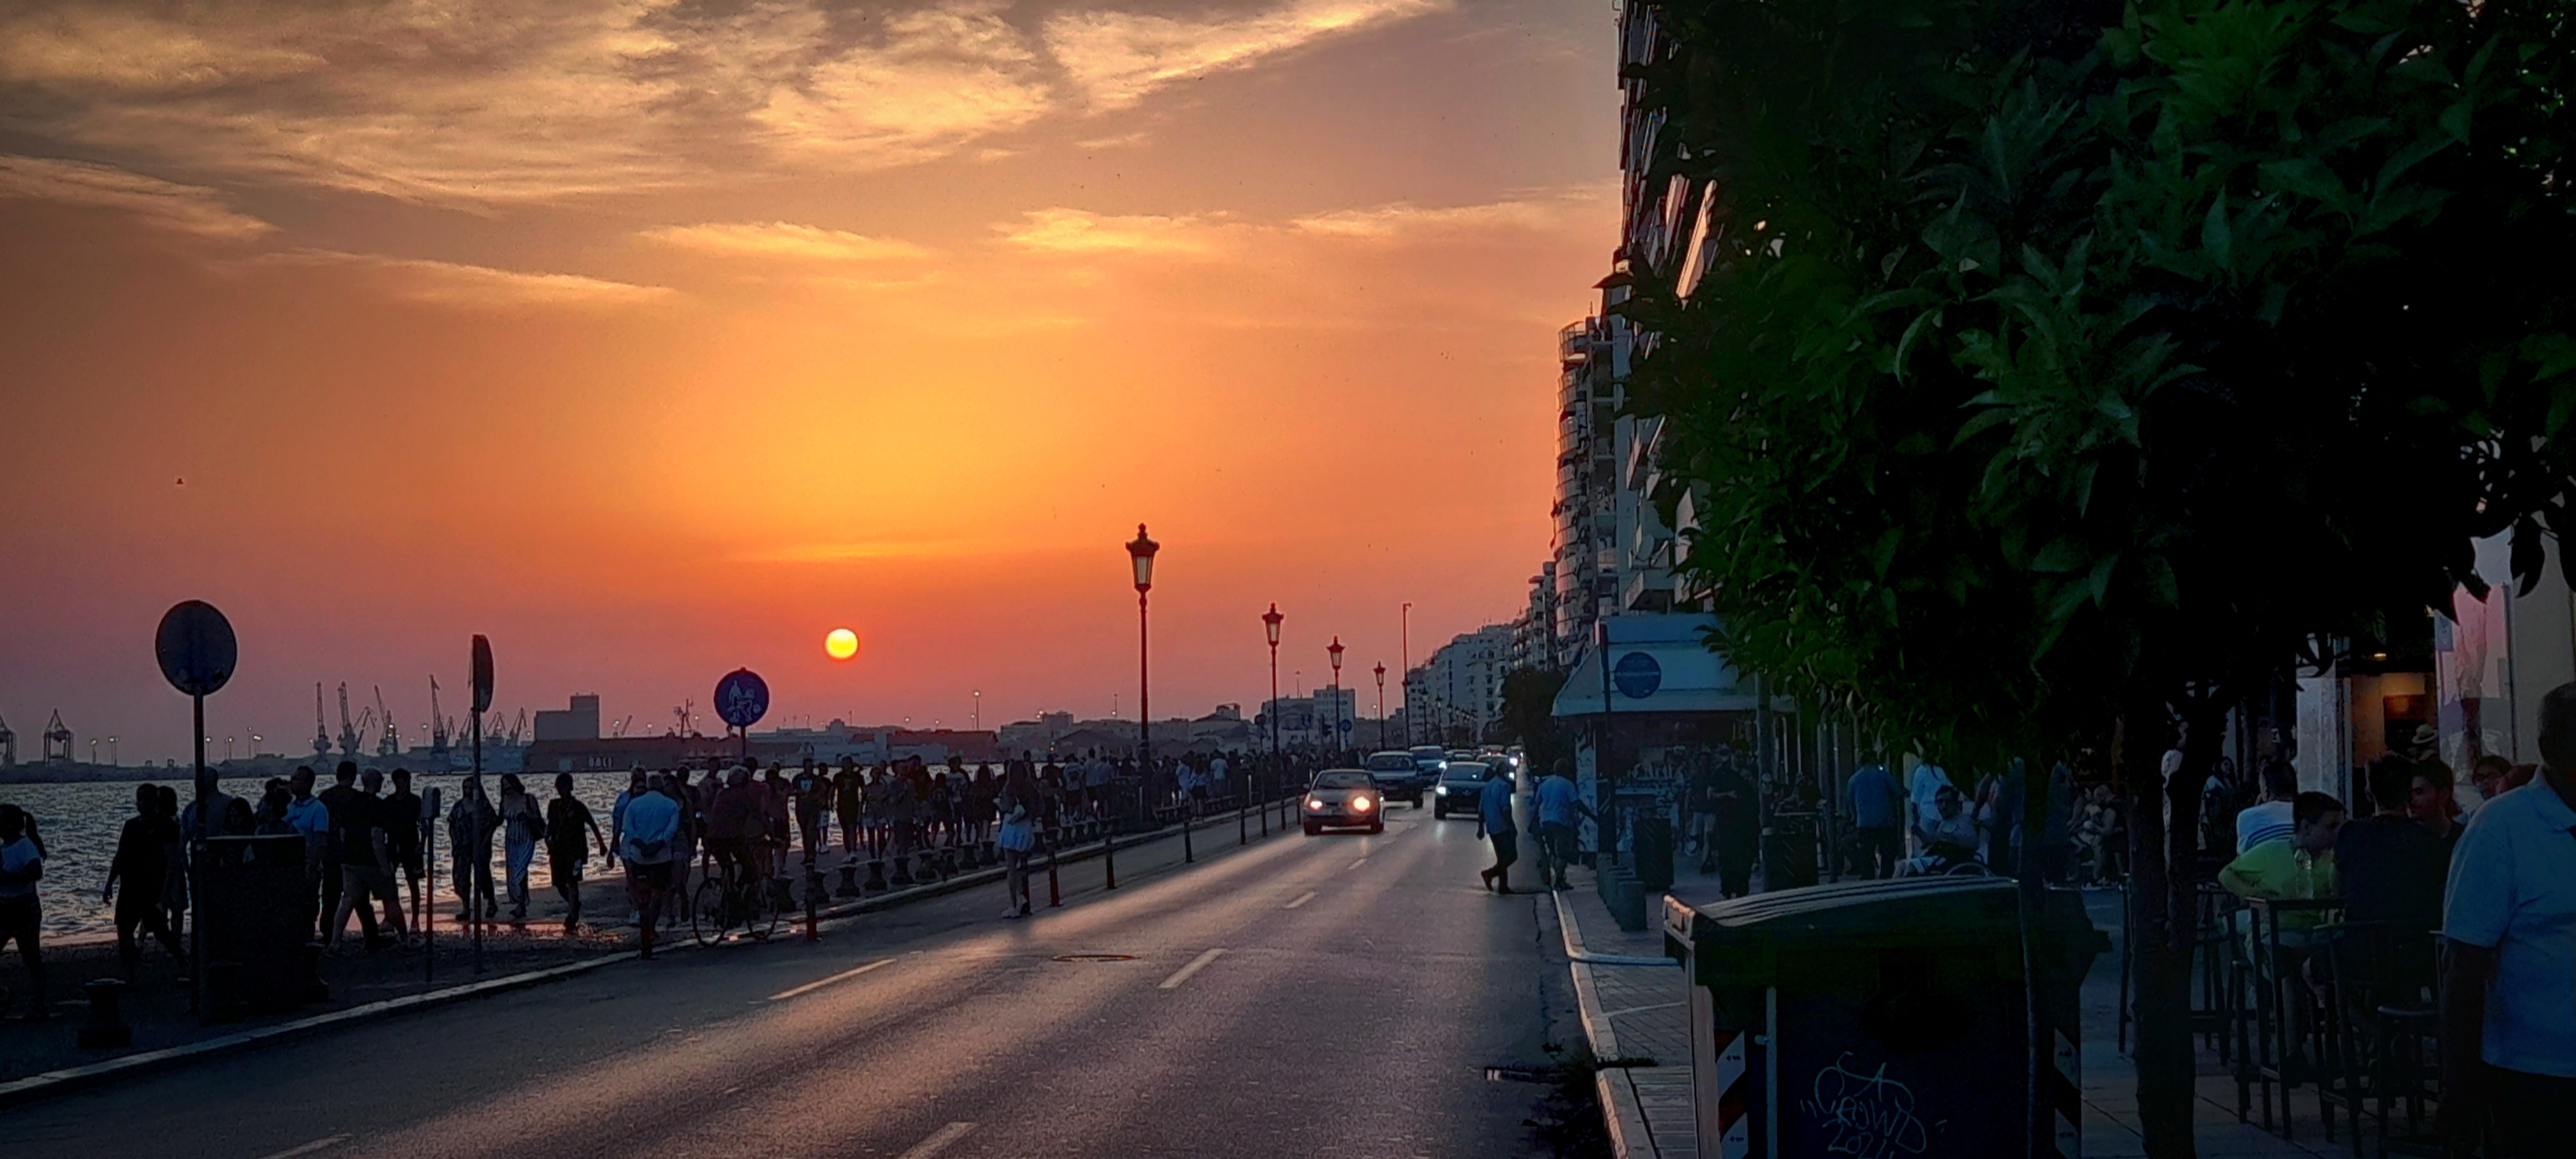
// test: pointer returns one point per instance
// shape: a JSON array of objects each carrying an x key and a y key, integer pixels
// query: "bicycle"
[{"x": 728, "y": 899}]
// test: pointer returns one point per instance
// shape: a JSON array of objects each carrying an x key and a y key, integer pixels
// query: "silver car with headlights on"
[{"x": 1343, "y": 799}]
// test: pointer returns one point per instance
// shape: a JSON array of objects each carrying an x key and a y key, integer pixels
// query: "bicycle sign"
[{"x": 742, "y": 698}]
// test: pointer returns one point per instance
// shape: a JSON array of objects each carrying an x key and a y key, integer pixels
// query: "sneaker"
[{"x": 1014, "y": 912}]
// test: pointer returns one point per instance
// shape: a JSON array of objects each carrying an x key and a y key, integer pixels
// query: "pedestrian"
[
  {"x": 1494, "y": 823},
  {"x": 1739, "y": 826},
  {"x": 407, "y": 842},
  {"x": 142, "y": 864},
  {"x": 566, "y": 854},
  {"x": 848, "y": 799},
  {"x": 691, "y": 801},
  {"x": 812, "y": 800},
  {"x": 22, "y": 918},
  {"x": 648, "y": 843},
  {"x": 336, "y": 802},
  {"x": 617, "y": 812},
  {"x": 2509, "y": 976},
  {"x": 523, "y": 825},
  {"x": 365, "y": 878},
  {"x": 1876, "y": 805},
  {"x": 174, "y": 881},
  {"x": 470, "y": 824},
  {"x": 1559, "y": 804},
  {"x": 1922, "y": 802},
  {"x": 1017, "y": 837}
]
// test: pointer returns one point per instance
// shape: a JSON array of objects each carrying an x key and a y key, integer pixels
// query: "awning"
[{"x": 1657, "y": 664}]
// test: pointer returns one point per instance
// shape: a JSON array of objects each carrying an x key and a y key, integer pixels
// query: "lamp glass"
[{"x": 1141, "y": 553}]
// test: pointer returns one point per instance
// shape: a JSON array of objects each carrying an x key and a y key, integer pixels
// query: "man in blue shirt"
[
  {"x": 2509, "y": 979},
  {"x": 1877, "y": 807},
  {"x": 1558, "y": 805},
  {"x": 1494, "y": 823}
]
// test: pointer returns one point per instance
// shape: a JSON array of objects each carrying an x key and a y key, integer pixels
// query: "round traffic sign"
[
  {"x": 196, "y": 647},
  {"x": 742, "y": 698},
  {"x": 482, "y": 665},
  {"x": 1637, "y": 675}
]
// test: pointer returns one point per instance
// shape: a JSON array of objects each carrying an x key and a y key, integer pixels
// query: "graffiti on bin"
[{"x": 1870, "y": 1116}]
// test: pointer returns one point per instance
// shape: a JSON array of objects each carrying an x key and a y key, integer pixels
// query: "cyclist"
[{"x": 737, "y": 827}]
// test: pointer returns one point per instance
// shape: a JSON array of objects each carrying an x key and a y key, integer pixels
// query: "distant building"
[
  {"x": 578, "y": 722},
  {"x": 1461, "y": 685}
]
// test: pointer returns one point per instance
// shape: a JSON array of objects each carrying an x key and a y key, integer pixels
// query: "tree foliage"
[{"x": 2052, "y": 352}]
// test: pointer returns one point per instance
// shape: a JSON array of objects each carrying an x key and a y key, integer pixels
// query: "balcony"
[{"x": 1648, "y": 589}]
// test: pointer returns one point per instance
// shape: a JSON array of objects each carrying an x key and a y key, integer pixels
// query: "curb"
[
  {"x": 69, "y": 1079},
  {"x": 1621, "y": 1110}
]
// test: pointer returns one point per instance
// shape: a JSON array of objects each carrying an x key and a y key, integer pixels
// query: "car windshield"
[
  {"x": 1466, "y": 770},
  {"x": 1430, "y": 751},
  {"x": 1343, "y": 779},
  {"x": 1391, "y": 762}
]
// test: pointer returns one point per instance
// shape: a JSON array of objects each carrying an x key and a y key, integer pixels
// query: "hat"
[{"x": 2425, "y": 735}]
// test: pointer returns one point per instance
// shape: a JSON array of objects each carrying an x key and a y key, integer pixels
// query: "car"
[
  {"x": 1343, "y": 799},
  {"x": 1461, "y": 787},
  {"x": 1429, "y": 758},
  {"x": 1397, "y": 776}
]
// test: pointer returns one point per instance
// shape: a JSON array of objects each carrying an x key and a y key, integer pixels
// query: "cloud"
[
  {"x": 187, "y": 209},
  {"x": 453, "y": 284},
  {"x": 1540, "y": 213},
  {"x": 780, "y": 239},
  {"x": 1074, "y": 231},
  {"x": 1116, "y": 58}
]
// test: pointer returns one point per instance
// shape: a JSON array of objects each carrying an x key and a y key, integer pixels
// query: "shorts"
[{"x": 653, "y": 877}]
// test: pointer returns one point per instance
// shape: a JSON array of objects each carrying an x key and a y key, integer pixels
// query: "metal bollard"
[
  {"x": 107, "y": 1029},
  {"x": 813, "y": 890},
  {"x": 1055, "y": 898}
]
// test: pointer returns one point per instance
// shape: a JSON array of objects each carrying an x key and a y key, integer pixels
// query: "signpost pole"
[
  {"x": 197, "y": 651},
  {"x": 198, "y": 848}
]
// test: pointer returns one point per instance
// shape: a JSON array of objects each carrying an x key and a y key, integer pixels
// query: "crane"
[
  {"x": 389, "y": 742},
  {"x": 619, "y": 729},
  {"x": 366, "y": 723},
  {"x": 321, "y": 732},
  {"x": 518, "y": 727},
  {"x": 349, "y": 733},
  {"x": 438, "y": 727},
  {"x": 682, "y": 713}
]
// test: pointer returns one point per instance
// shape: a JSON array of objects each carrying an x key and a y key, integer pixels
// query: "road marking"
[
  {"x": 1310, "y": 896},
  {"x": 843, "y": 976},
  {"x": 309, "y": 1148},
  {"x": 938, "y": 1141},
  {"x": 1362, "y": 861},
  {"x": 1196, "y": 964}
]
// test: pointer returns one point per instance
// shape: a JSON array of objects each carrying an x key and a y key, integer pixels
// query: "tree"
[
  {"x": 1528, "y": 716},
  {"x": 2059, "y": 369}
]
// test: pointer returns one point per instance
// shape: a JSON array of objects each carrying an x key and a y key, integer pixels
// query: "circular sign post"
[
  {"x": 197, "y": 651},
  {"x": 1637, "y": 676},
  {"x": 742, "y": 698}
]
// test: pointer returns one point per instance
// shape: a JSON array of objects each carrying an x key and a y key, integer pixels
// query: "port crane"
[
  {"x": 389, "y": 740},
  {"x": 321, "y": 732},
  {"x": 349, "y": 733},
  {"x": 440, "y": 728}
]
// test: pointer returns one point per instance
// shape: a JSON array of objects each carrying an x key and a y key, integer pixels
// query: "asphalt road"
[{"x": 1338, "y": 995}]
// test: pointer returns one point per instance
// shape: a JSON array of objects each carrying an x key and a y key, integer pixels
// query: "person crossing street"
[{"x": 1494, "y": 823}]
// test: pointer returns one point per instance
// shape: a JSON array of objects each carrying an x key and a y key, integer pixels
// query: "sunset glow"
[
  {"x": 463, "y": 320},
  {"x": 841, "y": 644}
]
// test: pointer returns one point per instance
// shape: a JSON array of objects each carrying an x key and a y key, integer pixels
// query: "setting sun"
[{"x": 841, "y": 644}]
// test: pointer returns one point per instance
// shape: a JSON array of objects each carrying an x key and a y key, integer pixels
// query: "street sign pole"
[
  {"x": 198, "y": 651},
  {"x": 481, "y": 662}
]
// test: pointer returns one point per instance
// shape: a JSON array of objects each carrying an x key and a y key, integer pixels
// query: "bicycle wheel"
[
  {"x": 707, "y": 911},
  {"x": 760, "y": 911}
]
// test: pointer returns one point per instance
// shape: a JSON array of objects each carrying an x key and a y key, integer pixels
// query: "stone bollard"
[
  {"x": 876, "y": 876},
  {"x": 902, "y": 870},
  {"x": 107, "y": 1029},
  {"x": 315, "y": 989},
  {"x": 948, "y": 862},
  {"x": 990, "y": 852},
  {"x": 849, "y": 886}
]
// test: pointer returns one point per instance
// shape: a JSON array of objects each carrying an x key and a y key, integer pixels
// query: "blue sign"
[
  {"x": 197, "y": 649},
  {"x": 1346, "y": 724},
  {"x": 1637, "y": 676},
  {"x": 742, "y": 698}
]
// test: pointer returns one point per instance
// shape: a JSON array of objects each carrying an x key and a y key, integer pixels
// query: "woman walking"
[
  {"x": 523, "y": 824},
  {"x": 470, "y": 822},
  {"x": 1019, "y": 834}
]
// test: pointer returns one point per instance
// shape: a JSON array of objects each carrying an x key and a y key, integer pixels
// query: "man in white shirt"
[
  {"x": 22, "y": 865},
  {"x": 1922, "y": 792},
  {"x": 2269, "y": 819},
  {"x": 646, "y": 841},
  {"x": 2509, "y": 979}
]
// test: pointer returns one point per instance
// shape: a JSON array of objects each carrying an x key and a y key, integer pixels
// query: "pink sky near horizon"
[{"x": 662, "y": 341}]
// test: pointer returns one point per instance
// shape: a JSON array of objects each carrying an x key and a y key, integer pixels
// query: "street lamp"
[
  {"x": 1381, "y": 704},
  {"x": 979, "y": 710},
  {"x": 1333, "y": 727},
  {"x": 1140, "y": 552},
  {"x": 1404, "y": 641},
  {"x": 1270, "y": 624}
]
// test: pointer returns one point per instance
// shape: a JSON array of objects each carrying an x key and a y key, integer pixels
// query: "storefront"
[{"x": 1644, "y": 689}]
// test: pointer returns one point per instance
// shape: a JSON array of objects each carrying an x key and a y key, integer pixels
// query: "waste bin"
[
  {"x": 259, "y": 918},
  {"x": 1653, "y": 842},
  {"x": 1789, "y": 851},
  {"x": 1879, "y": 1018}
]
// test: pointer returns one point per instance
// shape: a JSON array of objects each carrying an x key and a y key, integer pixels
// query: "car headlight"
[
  {"x": 1312, "y": 803},
  {"x": 1442, "y": 790},
  {"x": 1361, "y": 804}
]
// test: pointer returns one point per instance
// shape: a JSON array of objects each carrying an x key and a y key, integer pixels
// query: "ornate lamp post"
[
  {"x": 1381, "y": 704},
  {"x": 1270, "y": 624},
  {"x": 1333, "y": 727},
  {"x": 1140, "y": 552}
]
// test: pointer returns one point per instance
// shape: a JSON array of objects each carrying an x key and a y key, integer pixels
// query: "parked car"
[
  {"x": 1461, "y": 787},
  {"x": 1343, "y": 799},
  {"x": 1398, "y": 778}
]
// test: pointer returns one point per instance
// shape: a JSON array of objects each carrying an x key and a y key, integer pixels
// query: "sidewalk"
[{"x": 1638, "y": 1017}]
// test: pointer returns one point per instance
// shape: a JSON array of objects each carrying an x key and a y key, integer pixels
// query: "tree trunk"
[{"x": 2162, "y": 904}]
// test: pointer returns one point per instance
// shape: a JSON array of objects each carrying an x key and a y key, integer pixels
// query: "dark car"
[
  {"x": 1397, "y": 777},
  {"x": 1461, "y": 788}
]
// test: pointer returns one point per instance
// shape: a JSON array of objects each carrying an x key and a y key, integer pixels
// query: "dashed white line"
[
  {"x": 843, "y": 976},
  {"x": 1362, "y": 861},
  {"x": 1196, "y": 964},
  {"x": 1307, "y": 897},
  {"x": 309, "y": 1148},
  {"x": 938, "y": 1141}
]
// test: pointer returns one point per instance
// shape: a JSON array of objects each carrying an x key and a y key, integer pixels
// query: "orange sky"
[{"x": 652, "y": 339}]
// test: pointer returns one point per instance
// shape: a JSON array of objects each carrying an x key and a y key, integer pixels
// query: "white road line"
[
  {"x": 1196, "y": 964},
  {"x": 938, "y": 1141},
  {"x": 1309, "y": 896},
  {"x": 309, "y": 1148},
  {"x": 1362, "y": 861},
  {"x": 843, "y": 976}
]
